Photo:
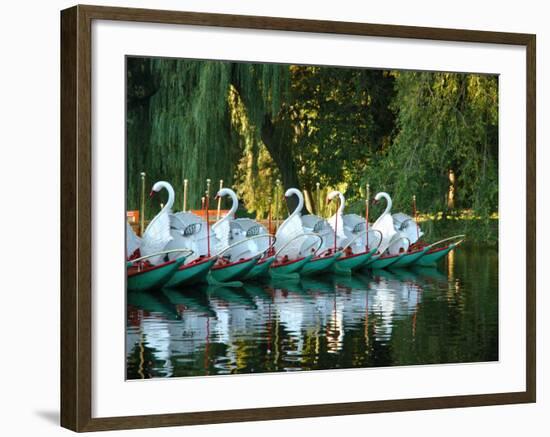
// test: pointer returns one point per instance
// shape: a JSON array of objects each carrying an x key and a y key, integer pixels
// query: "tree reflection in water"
[{"x": 378, "y": 318}]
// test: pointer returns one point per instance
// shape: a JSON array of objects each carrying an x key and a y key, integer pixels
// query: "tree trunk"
[{"x": 277, "y": 138}]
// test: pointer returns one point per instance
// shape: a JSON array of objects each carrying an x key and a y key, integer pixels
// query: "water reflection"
[{"x": 378, "y": 318}]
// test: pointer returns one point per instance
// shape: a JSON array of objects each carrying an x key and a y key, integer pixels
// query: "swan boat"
[
  {"x": 187, "y": 232},
  {"x": 240, "y": 245},
  {"x": 351, "y": 235},
  {"x": 151, "y": 263},
  {"x": 400, "y": 245},
  {"x": 326, "y": 256},
  {"x": 294, "y": 247},
  {"x": 143, "y": 276}
]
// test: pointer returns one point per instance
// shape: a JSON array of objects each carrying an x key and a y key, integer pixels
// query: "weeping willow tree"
[
  {"x": 434, "y": 135},
  {"x": 188, "y": 124},
  {"x": 446, "y": 145}
]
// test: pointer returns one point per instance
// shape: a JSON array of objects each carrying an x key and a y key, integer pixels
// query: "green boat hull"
[
  {"x": 431, "y": 259},
  {"x": 260, "y": 269},
  {"x": 290, "y": 268},
  {"x": 409, "y": 258},
  {"x": 231, "y": 272},
  {"x": 384, "y": 262},
  {"x": 153, "y": 278},
  {"x": 320, "y": 265},
  {"x": 191, "y": 274},
  {"x": 346, "y": 265}
]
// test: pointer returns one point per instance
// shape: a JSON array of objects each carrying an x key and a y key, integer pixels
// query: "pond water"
[{"x": 447, "y": 314}]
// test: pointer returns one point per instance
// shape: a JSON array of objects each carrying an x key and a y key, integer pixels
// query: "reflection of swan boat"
[
  {"x": 255, "y": 290},
  {"x": 232, "y": 296},
  {"x": 430, "y": 274},
  {"x": 152, "y": 303},
  {"x": 291, "y": 284},
  {"x": 321, "y": 283},
  {"x": 352, "y": 282},
  {"x": 194, "y": 300}
]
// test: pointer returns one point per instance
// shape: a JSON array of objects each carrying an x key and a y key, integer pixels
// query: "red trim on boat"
[
  {"x": 150, "y": 269},
  {"x": 415, "y": 251},
  {"x": 390, "y": 256},
  {"x": 264, "y": 260},
  {"x": 352, "y": 256},
  {"x": 286, "y": 263},
  {"x": 195, "y": 263},
  {"x": 437, "y": 249},
  {"x": 217, "y": 267}
]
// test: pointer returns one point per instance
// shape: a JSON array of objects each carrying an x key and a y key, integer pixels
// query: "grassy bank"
[{"x": 477, "y": 230}]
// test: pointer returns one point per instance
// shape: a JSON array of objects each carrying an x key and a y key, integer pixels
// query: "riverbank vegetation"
[{"x": 429, "y": 134}]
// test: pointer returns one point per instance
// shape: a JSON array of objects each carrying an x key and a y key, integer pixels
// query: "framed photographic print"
[{"x": 268, "y": 218}]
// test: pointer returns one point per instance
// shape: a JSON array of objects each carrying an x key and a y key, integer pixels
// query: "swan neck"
[
  {"x": 234, "y": 205},
  {"x": 300, "y": 205},
  {"x": 388, "y": 204},
  {"x": 232, "y": 210},
  {"x": 342, "y": 204},
  {"x": 171, "y": 198}
]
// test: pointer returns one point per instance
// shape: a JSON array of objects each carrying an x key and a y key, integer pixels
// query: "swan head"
[
  {"x": 381, "y": 195},
  {"x": 332, "y": 195},
  {"x": 225, "y": 192},
  {"x": 159, "y": 186},
  {"x": 293, "y": 191}
]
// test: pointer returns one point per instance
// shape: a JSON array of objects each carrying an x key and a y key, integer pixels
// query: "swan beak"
[
  {"x": 217, "y": 197},
  {"x": 151, "y": 194},
  {"x": 328, "y": 200},
  {"x": 374, "y": 201}
]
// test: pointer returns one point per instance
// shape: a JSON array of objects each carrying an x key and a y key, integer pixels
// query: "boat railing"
[
  {"x": 186, "y": 253},
  {"x": 306, "y": 234},
  {"x": 246, "y": 240},
  {"x": 362, "y": 234},
  {"x": 460, "y": 238}
]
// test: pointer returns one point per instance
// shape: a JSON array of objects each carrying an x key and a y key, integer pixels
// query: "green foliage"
[
  {"x": 250, "y": 124},
  {"x": 186, "y": 128},
  {"x": 445, "y": 121}
]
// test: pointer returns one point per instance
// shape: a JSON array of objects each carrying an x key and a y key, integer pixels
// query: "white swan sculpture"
[
  {"x": 318, "y": 225},
  {"x": 189, "y": 231},
  {"x": 351, "y": 229},
  {"x": 157, "y": 234},
  {"x": 288, "y": 242},
  {"x": 133, "y": 242},
  {"x": 230, "y": 231},
  {"x": 393, "y": 241},
  {"x": 407, "y": 226}
]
